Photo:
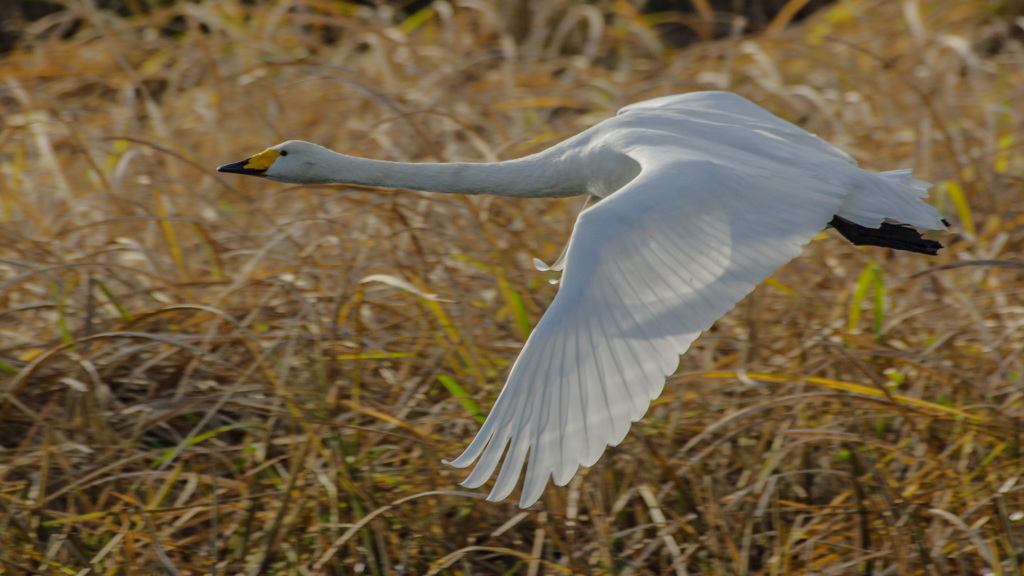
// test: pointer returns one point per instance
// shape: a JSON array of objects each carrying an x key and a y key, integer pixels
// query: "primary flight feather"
[{"x": 704, "y": 196}]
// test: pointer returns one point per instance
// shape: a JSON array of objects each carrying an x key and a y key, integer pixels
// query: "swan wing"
[
  {"x": 559, "y": 263},
  {"x": 725, "y": 109},
  {"x": 647, "y": 269}
]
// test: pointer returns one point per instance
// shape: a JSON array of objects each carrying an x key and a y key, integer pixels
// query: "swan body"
[{"x": 704, "y": 196}]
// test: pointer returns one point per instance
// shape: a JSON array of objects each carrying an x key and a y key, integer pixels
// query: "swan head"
[{"x": 293, "y": 161}]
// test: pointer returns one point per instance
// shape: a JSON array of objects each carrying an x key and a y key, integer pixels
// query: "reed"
[{"x": 210, "y": 375}]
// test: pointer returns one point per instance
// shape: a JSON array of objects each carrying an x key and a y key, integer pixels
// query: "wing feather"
[
  {"x": 614, "y": 382},
  {"x": 647, "y": 269}
]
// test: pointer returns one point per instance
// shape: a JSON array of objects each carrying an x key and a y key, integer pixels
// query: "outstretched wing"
[{"x": 647, "y": 269}]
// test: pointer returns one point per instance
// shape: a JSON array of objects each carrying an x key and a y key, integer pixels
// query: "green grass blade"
[
  {"x": 460, "y": 394},
  {"x": 963, "y": 209},
  {"x": 864, "y": 282},
  {"x": 121, "y": 311},
  {"x": 879, "y": 308}
]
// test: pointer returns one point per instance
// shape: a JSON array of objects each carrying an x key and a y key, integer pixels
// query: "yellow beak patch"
[{"x": 262, "y": 161}]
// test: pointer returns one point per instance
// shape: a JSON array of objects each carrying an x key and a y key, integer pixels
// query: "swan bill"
[
  {"x": 240, "y": 168},
  {"x": 254, "y": 166}
]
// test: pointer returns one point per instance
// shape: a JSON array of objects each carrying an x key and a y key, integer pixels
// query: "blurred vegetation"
[
  {"x": 690, "y": 20},
  {"x": 204, "y": 374}
]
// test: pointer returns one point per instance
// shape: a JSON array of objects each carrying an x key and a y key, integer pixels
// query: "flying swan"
[{"x": 703, "y": 196}]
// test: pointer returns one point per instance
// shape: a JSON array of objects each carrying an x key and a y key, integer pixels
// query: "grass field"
[{"x": 207, "y": 374}]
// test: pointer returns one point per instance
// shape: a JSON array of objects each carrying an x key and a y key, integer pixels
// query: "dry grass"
[{"x": 197, "y": 376}]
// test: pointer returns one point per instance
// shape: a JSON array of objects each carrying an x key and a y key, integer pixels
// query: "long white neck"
[{"x": 546, "y": 174}]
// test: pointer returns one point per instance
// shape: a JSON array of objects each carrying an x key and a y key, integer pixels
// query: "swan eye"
[{"x": 284, "y": 152}]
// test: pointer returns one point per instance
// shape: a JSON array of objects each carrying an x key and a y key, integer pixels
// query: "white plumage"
[{"x": 704, "y": 196}]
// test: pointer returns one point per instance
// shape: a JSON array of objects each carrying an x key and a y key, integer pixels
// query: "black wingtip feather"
[{"x": 896, "y": 236}]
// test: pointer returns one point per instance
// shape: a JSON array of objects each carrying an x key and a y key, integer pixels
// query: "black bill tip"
[{"x": 240, "y": 168}]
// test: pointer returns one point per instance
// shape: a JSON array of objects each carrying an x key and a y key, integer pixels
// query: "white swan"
[{"x": 704, "y": 195}]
